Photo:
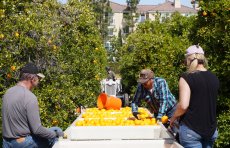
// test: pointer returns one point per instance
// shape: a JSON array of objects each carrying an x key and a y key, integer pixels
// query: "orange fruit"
[
  {"x": 204, "y": 13},
  {"x": 164, "y": 119},
  {"x": 153, "y": 121},
  {"x": 16, "y": 34},
  {"x": 78, "y": 110},
  {"x": 1, "y": 36},
  {"x": 55, "y": 122},
  {"x": 13, "y": 68},
  {"x": 8, "y": 76}
]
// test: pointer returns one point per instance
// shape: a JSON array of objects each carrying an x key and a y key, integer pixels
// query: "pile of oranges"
[{"x": 122, "y": 117}]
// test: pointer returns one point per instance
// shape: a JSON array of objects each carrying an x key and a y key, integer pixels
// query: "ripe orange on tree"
[
  {"x": 204, "y": 13},
  {"x": 13, "y": 68},
  {"x": 16, "y": 34},
  {"x": 8, "y": 76}
]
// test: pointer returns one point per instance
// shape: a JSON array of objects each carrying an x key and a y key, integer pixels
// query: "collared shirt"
[{"x": 159, "y": 96}]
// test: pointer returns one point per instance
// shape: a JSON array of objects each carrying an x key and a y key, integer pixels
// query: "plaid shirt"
[{"x": 160, "y": 98}]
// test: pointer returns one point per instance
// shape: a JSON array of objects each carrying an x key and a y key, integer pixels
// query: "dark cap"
[
  {"x": 31, "y": 69},
  {"x": 145, "y": 75},
  {"x": 107, "y": 68}
]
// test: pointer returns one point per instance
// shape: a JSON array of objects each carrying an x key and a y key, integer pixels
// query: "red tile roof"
[
  {"x": 145, "y": 8},
  {"x": 169, "y": 7},
  {"x": 165, "y": 7},
  {"x": 117, "y": 7}
]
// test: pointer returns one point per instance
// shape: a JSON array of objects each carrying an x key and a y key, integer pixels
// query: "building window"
[
  {"x": 142, "y": 18},
  {"x": 108, "y": 46},
  {"x": 111, "y": 21},
  {"x": 167, "y": 14},
  {"x": 126, "y": 29},
  {"x": 110, "y": 31}
]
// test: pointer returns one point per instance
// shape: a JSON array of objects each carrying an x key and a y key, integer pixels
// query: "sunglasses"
[{"x": 144, "y": 76}]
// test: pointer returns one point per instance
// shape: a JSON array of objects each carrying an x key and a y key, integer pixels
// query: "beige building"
[{"x": 164, "y": 10}]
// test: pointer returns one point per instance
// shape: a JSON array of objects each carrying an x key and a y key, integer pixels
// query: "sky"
[{"x": 146, "y": 2}]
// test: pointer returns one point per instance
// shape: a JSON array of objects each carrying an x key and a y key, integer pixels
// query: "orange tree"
[
  {"x": 64, "y": 43},
  {"x": 212, "y": 31},
  {"x": 78, "y": 67},
  {"x": 156, "y": 45}
]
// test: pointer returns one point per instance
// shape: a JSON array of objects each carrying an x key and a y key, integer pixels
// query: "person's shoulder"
[
  {"x": 12, "y": 89},
  {"x": 184, "y": 74},
  {"x": 159, "y": 79},
  {"x": 28, "y": 93},
  {"x": 140, "y": 86},
  {"x": 212, "y": 74}
]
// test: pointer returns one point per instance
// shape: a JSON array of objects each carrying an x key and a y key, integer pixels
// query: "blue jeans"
[
  {"x": 190, "y": 139},
  {"x": 32, "y": 141}
]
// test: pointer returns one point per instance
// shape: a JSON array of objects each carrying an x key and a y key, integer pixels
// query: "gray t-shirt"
[{"x": 20, "y": 115}]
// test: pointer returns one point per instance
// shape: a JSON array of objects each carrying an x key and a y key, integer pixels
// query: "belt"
[{"x": 20, "y": 139}]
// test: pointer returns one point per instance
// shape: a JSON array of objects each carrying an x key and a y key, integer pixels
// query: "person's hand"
[
  {"x": 172, "y": 120},
  {"x": 135, "y": 115},
  {"x": 65, "y": 136},
  {"x": 158, "y": 119},
  {"x": 59, "y": 134}
]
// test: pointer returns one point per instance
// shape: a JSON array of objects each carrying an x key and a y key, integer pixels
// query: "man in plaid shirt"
[{"x": 155, "y": 91}]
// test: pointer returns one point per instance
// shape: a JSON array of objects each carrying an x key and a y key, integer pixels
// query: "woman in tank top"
[{"x": 196, "y": 109}]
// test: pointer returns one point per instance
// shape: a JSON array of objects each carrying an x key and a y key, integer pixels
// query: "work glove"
[
  {"x": 135, "y": 115},
  {"x": 59, "y": 134}
]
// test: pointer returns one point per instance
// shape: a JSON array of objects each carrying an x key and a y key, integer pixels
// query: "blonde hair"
[{"x": 193, "y": 60}]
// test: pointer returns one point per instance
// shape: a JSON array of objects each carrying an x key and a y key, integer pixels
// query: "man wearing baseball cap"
[
  {"x": 155, "y": 91},
  {"x": 21, "y": 124}
]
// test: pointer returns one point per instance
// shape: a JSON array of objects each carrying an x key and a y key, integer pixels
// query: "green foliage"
[
  {"x": 64, "y": 43},
  {"x": 130, "y": 14},
  {"x": 102, "y": 10},
  {"x": 212, "y": 32},
  {"x": 158, "y": 46},
  {"x": 223, "y": 129},
  {"x": 223, "y": 123}
]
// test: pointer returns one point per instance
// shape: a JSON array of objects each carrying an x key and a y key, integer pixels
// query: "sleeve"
[
  {"x": 35, "y": 122},
  {"x": 137, "y": 95},
  {"x": 136, "y": 98},
  {"x": 163, "y": 97}
]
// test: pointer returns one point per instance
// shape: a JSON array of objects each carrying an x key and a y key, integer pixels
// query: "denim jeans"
[
  {"x": 190, "y": 139},
  {"x": 31, "y": 141}
]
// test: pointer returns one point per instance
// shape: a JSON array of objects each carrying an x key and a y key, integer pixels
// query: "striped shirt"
[{"x": 159, "y": 97}]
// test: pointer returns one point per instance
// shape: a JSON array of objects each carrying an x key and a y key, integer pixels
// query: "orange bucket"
[{"x": 108, "y": 102}]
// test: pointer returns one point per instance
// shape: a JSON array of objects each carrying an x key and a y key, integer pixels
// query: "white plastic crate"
[
  {"x": 118, "y": 144},
  {"x": 114, "y": 132}
]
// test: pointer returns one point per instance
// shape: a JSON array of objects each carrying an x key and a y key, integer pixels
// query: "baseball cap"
[
  {"x": 194, "y": 49},
  {"x": 31, "y": 69},
  {"x": 145, "y": 75}
]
